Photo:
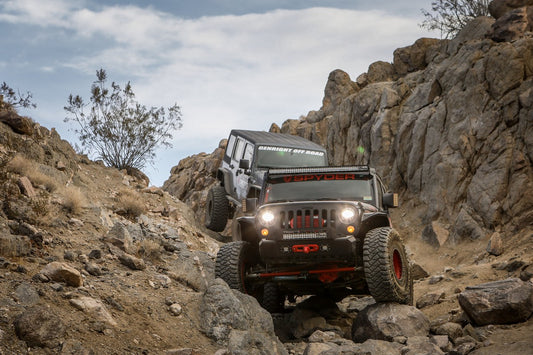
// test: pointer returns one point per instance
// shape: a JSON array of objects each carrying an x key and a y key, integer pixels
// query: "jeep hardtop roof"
[
  {"x": 363, "y": 169},
  {"x": 277, "y": 139}
]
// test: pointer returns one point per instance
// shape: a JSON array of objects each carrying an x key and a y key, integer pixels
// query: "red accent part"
[
  {"x": 305, "y": 248},
  {"x": 328, "y": 277},
  {"x": 317, "y": 222},
  {"x": 319, "y": 271},
  {"x": 397, "y": 263}
]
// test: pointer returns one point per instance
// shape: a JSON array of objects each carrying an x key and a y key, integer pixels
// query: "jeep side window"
[
  {"x": 230, "y": 146},
  {"x": 249, "y": 152},
  {"x": 237, "y": 154}
]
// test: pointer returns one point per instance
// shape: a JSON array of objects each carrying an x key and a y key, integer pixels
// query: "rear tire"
[
  {"x": 387, "y": 269},
  {"x": 232, "y": 264},
  {"x": 217, "y": 209}
]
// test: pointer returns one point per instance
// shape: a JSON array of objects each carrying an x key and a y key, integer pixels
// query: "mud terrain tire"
[
  {"x": 273, "y": 301},
  {"x": 386, "y": 266},
  {"x": 217, "y": 209},
  {"x": 233, "y": 260}
]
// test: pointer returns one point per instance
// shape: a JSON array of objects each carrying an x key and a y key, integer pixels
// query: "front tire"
[
  {"x": 217, "y": 209},
  {"x": 273, "y": 300},
  {"x": 232, "y": 264},
  {"x": 386, "y": 266}
]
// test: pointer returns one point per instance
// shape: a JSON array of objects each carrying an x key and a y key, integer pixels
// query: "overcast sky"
[{"x": 227, "y": 63}]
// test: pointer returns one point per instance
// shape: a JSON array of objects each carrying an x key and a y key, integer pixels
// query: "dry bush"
[
  {"x": 74, "y": 199},
  {"x": 130, "y": 204},
  {"x": 149, "y": 249},
  {"x": 20, "y": 165},
  {"x": 14, "y": 246},
  {"x": 26, "y": 167},
  {"x": 38, "y": 178},
  {"x": 40, "y": 204}
]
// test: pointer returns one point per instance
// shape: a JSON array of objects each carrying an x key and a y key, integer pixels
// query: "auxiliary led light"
[
  {"x": 350, "y": 229},
  {"x": 264, "y": 232}
]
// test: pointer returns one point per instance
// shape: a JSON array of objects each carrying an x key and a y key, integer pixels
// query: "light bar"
[
  {"x": 328, "y": 169},
  {"x": 298, "y": 236}
]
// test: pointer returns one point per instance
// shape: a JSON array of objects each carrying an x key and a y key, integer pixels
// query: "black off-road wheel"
[
  {"x": 273, "y": 300},
  {"x": 233, "y": 262},
  {"x": 387, "y": 269},
  {"x": 217, "y": 209}
]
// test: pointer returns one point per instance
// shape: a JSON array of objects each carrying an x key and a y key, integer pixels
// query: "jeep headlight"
[
  {"x": 347, "y": 215},
  {"x": 266, "y": 218}
]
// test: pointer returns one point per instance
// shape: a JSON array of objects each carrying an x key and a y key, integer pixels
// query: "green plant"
[
  {"x": 118, "y": 129},
  {"x": 450, "y": 16}
]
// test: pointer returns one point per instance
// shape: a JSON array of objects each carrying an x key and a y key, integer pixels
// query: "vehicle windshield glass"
[
  {"x": 322, "y": 187},
  {"x": 282, "y": 157}
]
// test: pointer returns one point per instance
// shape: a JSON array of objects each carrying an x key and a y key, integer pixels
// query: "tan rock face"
[{"x": 192, "y": 178}]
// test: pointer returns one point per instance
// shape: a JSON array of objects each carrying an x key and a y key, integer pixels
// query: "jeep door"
[{"x": 243, "y": 150}]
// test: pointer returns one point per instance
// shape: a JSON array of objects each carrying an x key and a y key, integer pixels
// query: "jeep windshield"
[
  {"x": 320, "y": 187},
  {"x": 284, "y": 157}
]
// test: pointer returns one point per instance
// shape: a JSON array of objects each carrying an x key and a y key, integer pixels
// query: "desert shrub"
[
  {"x": 149, "y": 249},
  {"x": 40, "y": 204},
  {"x": 16, "y": 99},
  {"x": 38, "y": 178},
  {"x": 19, "y": 165},
  {"x": 129, "y": 204},
  {"x": 22, "y": 166},
  {"x": 74, "y": 200},
  {"x": 119, "y": 130},
  {"x": 450, "y": 16}
]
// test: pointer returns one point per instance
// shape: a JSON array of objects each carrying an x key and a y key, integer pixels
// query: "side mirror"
[
  {"x": 390, "y": 200},
  {"x": 244, "y": 164},
  {"x": 249, "y": 205}
]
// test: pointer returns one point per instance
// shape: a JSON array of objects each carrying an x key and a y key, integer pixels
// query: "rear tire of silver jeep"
[
  {"x": 386, "y": 265},
  {"x": 216, "y": 209}
]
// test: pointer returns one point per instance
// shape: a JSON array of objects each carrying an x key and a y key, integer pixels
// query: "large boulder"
[
  {"x": 237, "y": 321},
  {"x": 415, "y": 57},
  {"x": 498, "y": 8},
  {"x": 385, "y": 321},
  {"x": 512, "y": 25},
  {"x": 39, "y": 326},
  {"x": 63, "y": 272},
  {"x": 499, "y": 302}
]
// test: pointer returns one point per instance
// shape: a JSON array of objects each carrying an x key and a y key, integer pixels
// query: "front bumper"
[{"x": 309, "y": 251}]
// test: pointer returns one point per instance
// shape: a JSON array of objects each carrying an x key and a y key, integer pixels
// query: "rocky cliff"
[
  {"x": 449, "y": 124},
  {"x": 92, "y": 261}
]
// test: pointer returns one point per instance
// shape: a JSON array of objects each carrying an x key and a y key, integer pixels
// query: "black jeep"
[
  {"x": 248, "y": 154},
  {"x": 318, "y": 231}
]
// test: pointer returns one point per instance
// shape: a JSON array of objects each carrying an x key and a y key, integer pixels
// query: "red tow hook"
[{"x": 305, "y": 248}]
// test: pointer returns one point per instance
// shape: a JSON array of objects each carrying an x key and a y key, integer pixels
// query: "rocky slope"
[
  {"x": 449, "y": 125},
  {"x": 92, "y": 261}
]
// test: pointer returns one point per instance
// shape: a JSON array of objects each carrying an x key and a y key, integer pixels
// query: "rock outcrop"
[
  {"x": 192, "y": 178},
  {"x": 452, "y": 131}
]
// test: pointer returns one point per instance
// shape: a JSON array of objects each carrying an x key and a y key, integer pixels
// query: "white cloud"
[{"x": 225, "y": 71}]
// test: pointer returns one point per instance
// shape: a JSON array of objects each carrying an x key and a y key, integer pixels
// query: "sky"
[{"x": 228, "y": 64}]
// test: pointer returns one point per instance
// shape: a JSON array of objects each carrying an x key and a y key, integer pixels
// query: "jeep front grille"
[{"x": 307, "y": 219}]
